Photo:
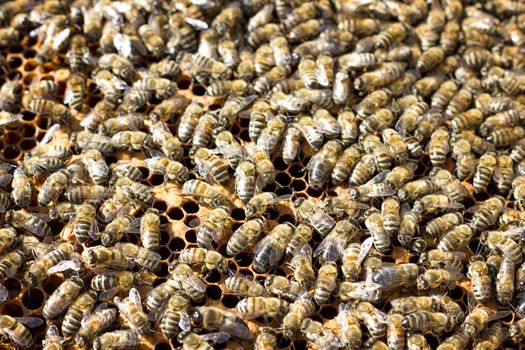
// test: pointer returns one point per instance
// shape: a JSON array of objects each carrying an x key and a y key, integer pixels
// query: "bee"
[
  {"x": 326, "y": 282},
  {"x": 385, "y": 74},
  {"x": 7, "y": 239},
  {"x": 435, "y": 278},
  {"x": 17, "y": 331},
  {"x": 237, "y": 87},
  {"x": 168, "y": 108},
  {"x": 504, "y": 243},
  {"x": 499, "y": 120},
  {"x": 248, "y": 233},
  {"x": 372, "y": 102},
  {"x": 245, "y": 69},
  {"x": 350, "y": 333},
  {"x": 86, "y": 140},
  {"x": 169, "y": 144},
  {"x": 176, "y": 306},
  {"x": 62, "y": 297},
  {"x": 506, "y": 136},
  {"x": 238, "y": 284},
  {"x": 172, "y": 169},
  {"x": 411, "y": 304},
  {"x": 217, "y": 220},
  {"x": 111, "y": 257},
  {"x": 390, "y": 212},
  {"x": 479, "y": 275},
  {"x": 253, "y": 307},
  {"x": 213, "y": 318},
  {"x": 115, "y": 230},
  {"x": 437, "y": 322},
  {"x": 357, "y": 61},
  {"x": 189, "y": 120},
  {"x": 313, "y": 137},
  {"x": 53, "y": 339},
  {"x": 119, "y": 65},
  {"x": 430, "y": 59},
  {"x": 392, "y": 276},
  {"x": 21, "y": 188},
  {"x": 40, "y": 105},
  {"x": 396, "y": 336},
  {"x": 272, "y": 247},
  {"x": 95, "y": 166},
  {"x": 154, "y": 43},
  {"x": 131, "y": 308},
  {"x": 271, "y": 134},
  {"x": 417, "y": 342},
  {"x": 119, "y": 339},
  {"x": 439, "y": 146},
  {"x": 53, "y": 187},
  {"x": 373, "y": 319},
  {"x": 187, "y": 281},
  {"x": 28, "y": 222},
  {"x": 80, "y": 307},
  {"x": 434, "y": 203},
  {"x": 301, "y": 308},
  {"x": 259, "y": 203},
  {"x": 135, "y": 190},
  {"x": 165, "y": 68},
  {"x": 333, "y": 244},
  {"x": 314, "y": 215},
  {"x": 493, "y": 339},
  {"x": 191, "y": 341},
  {"x": 141, "y": 256},
  {"x": 381, "y": 119},
  {"x": 232, "y": 106},
  {"x": 505, "y": 281},
  {"x": 517, "y": 330},
  {"x": 439, "y": 226},
  {"x": 436, "y": 258},
  {"x": 393, "y": 33},
  {"x": 266, "y": 340},
  {"x": 75, "y": 92},
  {"x": 281, "y": 287},
  {"x": 321, "y": 164},
  {"x": 484, "y": 172},
  {"x": 85, "y": 224},
  {"x": 301, "y": 264},
  {"x": 487, "y": 213},
  {"x": 132, "y": 140},
  {"x": 444, "y": 94},
  {"x": 205, "y": 193},
  {"x": 211, "y": 260},
  {"x": 210, "y": 165},
  {"x": 301, "y": 236},
  {"x": 214, "y": 68},
  {"x": 478, "y": 318},
  {"x": 458, "y": 237},
  {"x": 291, "y": 144},
  {"x": 94, "y": 324},
  {"x": 123, "y": 122},
  {"x": 318, "y": 335},
  {"x": 259, "y": 114}
]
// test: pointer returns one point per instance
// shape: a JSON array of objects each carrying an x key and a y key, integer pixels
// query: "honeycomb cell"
[
  {"x": 11, "y": 152},
  {"x": 33, "y": 299},
  {"x": 183, "y": 84},
  {"x": 328, "y": 312},
  {"x": 51, "y": 284},
  {"x": 198, "y": 90},
  {"x": 243, "y": 259},
  {"x": 162, "y": 346},
  {"x": 177, "y": 244},
  {"x": 175, "y": 214},
  {"x": 29, "y": 53},
  {"x": 14, "y": 62},
  {"x": 14, "y": 287},
  {"x": 298, "y": 185},
  {"x": 213, "y": 277},
  {"x": 190, "y": 207},
  {"x": 30, "y": 66},
  {"x": 244, "y": 135},
  {"x": 13, "y": 309},
  {"x": 213, "y": 292},
  {"x": 314, "y": 192},
  {"x": 282, "y": 179},
  {"x": 229, "y": 301},
  {"x": 156, "y": 179},
  {"x": 161, "y": 206},
  {"x": 296, "y": 170},
  {"x": 13, "y": 138},
  {"x": 238, "y": 214},
  {"x": 286, "y": 218},
  {"x": 164, "y": 252}
]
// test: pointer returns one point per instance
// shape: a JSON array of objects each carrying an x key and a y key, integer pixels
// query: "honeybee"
[
  {"x": 75, "y": 92},
  {"x": 506, "y": 136},
  {"x": 101, "y": 256},
  {"x": 239, "y": 284},
  {"x": 111, "y": 126},
  {"x": 216, "y": 69},
  {"x": 7, "y": 239},
  {"x": 435, "y": 278},
  {"x": 135, "y": 190},
  {"x": 392, "y": 276},
  {"x": 266, "y": 340},
  {"x": 478, "y": 318},
  {"x": 272, "y": 247},
  {"x": 417, "y": 342},
  {"x": 93, "y": 324},
  {"x": 320, "y": 336},
  {"x": 154, "y": 43},
  {"x": 409, "y": 223},
  {"x": 437, "y": 227},
  {"x": 444, "y": 94},
  {"x": 301, "y": 236},
  {"x": 434, "y": 203},
  {"x": 172, "y": 169},
  {"x": 326, "y": 282},
  {"x": 213, "y": 318},
  {"x": 504, "y": 243},
  {"x": 115, "y": 230},
  {"x": 165, "y": 68},
  {"x": 484, "y": 172},
  {"x": 479, "y": 275},
  {"x": 259, "y": 203},
  {"x": 140, "y": 255},
  {"x": 247, "y": 234},
  {"x": 53, "y": 340},
  {"x": 456, "y": 238},
  {"x": 211, "y": 260},
  {"x": 253, "y": 307},
  {"x": 62, "y": 297},
  {"x": 187, "y": 281},
  {"x": 301, "y": 308},
  {"x": 119, "y": 339},
  {"x": 119, "y": 65},
  {"x": 95, "y": 166},
  {"x": 189, "y": 120},
  {"x": 40, "y": 105},
  {"x": 487, "y": 213},
  {"x": 281, "y": 287},
  {"x": 176, "y": 306},
  {"x": 131, "y": 308},
  {"x": 374, "y": 319},
  {"x": 271, "y": 134},
  {"x": 132, "y": 140},
  {"x": 517, "y": 330},
  {"x": 85, "y": 224},
  {"x": 192, "y": 341},
  {"x": 314, "y": 215},
  {"x": 301, "y": 264},
  {"x": 439, "y": 147},
  {"x": 266, "y": 172},
  {"x": 210, "y": 165},
  {"x": 313, "y": 137},
  {"x": 372, "y": 102},
  {"x": 493, "y": 339},
  {"x": 321, "y": 164},
  {"x": 16, "y": 329},
  {"x": 210, "y": 231},
  {"x": 374, "y": 224},
  {"x": 21, "y": 188},
  {"x": 385, "y": 74},
  {"x": 332, "y": 246},
  {"x": 86, "y": 140},
  {"x": 505, "y": 281},
  {"x": 291, "y": 144},
  {"x": 425, "y": 320},
  {"x": 357, "y": 61},
  {"x": 9, "y": 97},
  {"x": 80, "y": 307},
  {"x": 27, "y": 221},
  {"x": 382, "y": 118}
]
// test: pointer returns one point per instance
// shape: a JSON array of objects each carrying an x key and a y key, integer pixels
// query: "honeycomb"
[{"x": 179, "y": 212}]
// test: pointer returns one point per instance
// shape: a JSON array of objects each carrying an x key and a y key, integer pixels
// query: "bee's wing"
[
  {"x": 216, "y": 338},
  {"x": 4, "y": 293},
  {"x": 134, "y": 296},
  {"x": 185, "y": 322},
  {"x": 65, "y": 265},
  {"x": 365, "y": 248},
  {"x": 31, "y": 322},
  {"x": 52, "y": 331}
]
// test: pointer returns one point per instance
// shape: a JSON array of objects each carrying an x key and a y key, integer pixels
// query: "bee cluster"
[{"x": 330, "y": 174}]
